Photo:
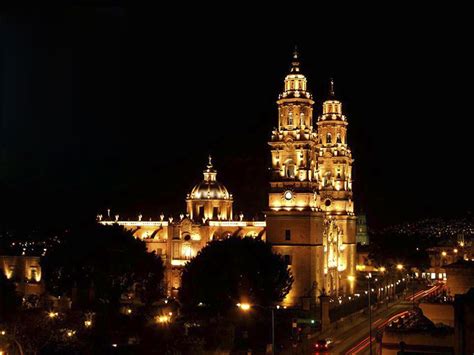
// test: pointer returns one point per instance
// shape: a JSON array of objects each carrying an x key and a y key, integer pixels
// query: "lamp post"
[
  {"x": 246, "y": 307},
  {"x": 370, "y": 314}
]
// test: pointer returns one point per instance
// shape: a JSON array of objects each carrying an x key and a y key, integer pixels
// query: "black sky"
[{"x": 106, "y": 106}]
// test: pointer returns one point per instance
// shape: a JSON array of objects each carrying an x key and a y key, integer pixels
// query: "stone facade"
[
  {"x": 25, "y": 271},
  {"x": 311, "y": 213},
  {"x": 208, "y": 217}
]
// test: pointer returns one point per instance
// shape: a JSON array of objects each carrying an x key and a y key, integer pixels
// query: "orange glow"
[{"x": 243, "y": 306}]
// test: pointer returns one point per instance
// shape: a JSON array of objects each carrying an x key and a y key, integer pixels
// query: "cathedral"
[{"x": 310, "y": 218}]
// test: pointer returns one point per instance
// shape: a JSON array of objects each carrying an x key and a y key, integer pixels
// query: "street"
[{"x": 351, "y": 336}]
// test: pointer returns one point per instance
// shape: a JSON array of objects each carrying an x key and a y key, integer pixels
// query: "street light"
[
  {"x": 370, "y": 313},
  {"x": 162, "y": 319},
  {"x": 399, "y": 267},
  {"x": 243, "y": 306},
  {"x": 246, "y": 307}
]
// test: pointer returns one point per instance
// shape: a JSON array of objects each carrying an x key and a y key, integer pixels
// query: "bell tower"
[
  {"x": 293, "y": 145},
  {"x": 334, "y": 172},
  {"x": 293, "y": 219},
  {"x": 310, "y": 220}
]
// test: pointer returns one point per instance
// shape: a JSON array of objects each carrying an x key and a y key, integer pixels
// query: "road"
[{"x": 352, "y": 335}]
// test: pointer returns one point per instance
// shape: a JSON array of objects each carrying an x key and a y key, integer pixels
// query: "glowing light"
[
  {"x": 455, "y": 250},
  {"x": 162, "y": 319},
  {"x": 237, "y": 223},
  {"x": 129, "y": 311},
  {"x": 53, "y": 314},
  {"x": 243, "y": 306},
  {"x": 87, "y": 323},
  {"x": 351, "y": 278},
  {"x": 399, "y": 267},
  {"x": 187, "y": 251},
  {"x": 382, "y": 269},
  {"x": 176, "y": 262},
  {"x": 444, "y": 253}
]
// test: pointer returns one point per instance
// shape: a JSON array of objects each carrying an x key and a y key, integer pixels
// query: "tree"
[
  {"x": 9, "y": 299},
  {"x": 234, "y": 270},
  {"x": 105, "y": 261}
]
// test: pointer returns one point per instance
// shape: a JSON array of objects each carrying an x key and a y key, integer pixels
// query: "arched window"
[
  {"x": 338, "y": 138},
  {"x": 290, "y": 169},
  {"x": 290, "y": 118},
  {"x": 328, "y": 138},
  {"x": 301, "y": 118}
]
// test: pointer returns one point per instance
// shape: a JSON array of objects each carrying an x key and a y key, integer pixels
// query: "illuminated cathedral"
[{"x": 310, "y": 219}]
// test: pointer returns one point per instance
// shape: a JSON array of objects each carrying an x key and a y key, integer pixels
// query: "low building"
[
  {"x": 24, "y": 271},
  {"x": 464, "y": 323},
  {"x": 447, "y": 252},
  {"x": 415, "y": 333},
  {"x": 460, "y": 277}
]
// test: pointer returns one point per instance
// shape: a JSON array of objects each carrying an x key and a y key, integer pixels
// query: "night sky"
[{"x": 107, "y": 107}]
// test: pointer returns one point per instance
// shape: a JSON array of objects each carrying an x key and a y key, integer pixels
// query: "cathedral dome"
[{"x": 209, "y": 187}]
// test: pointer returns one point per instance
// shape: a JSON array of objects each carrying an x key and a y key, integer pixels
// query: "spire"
[
  {"x": 295, "y": 64},
  {"x": 332, "y": 94},
  {"x": 209, "y": 165},
  {"x": 210, "y": 173}
]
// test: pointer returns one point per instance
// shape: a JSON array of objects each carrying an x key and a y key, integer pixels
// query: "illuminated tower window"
[
  {"x": 290, "y": 118},
  {"x": 338, "y": 138},
  {"x": 302, "y": 118},
  {"x": 290, "y": 169},
  {"x": 328, "y": 138}
]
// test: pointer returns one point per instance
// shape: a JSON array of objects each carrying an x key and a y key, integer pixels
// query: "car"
[{"x": 322, "y": 345}]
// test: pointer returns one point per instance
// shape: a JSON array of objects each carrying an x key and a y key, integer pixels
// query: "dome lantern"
[{"x": 209, "y": 199}]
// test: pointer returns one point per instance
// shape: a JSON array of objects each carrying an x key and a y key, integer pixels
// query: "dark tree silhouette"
[
  {"x": 234, "y": 270},
  {"x": 106, "y": 261},
  {"x": 9, "y": 300}
]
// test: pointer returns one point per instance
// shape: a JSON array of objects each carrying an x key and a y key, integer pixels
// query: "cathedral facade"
[
  {"x": 209, "y": 216},
  {"x": 310, "y": 218}
]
